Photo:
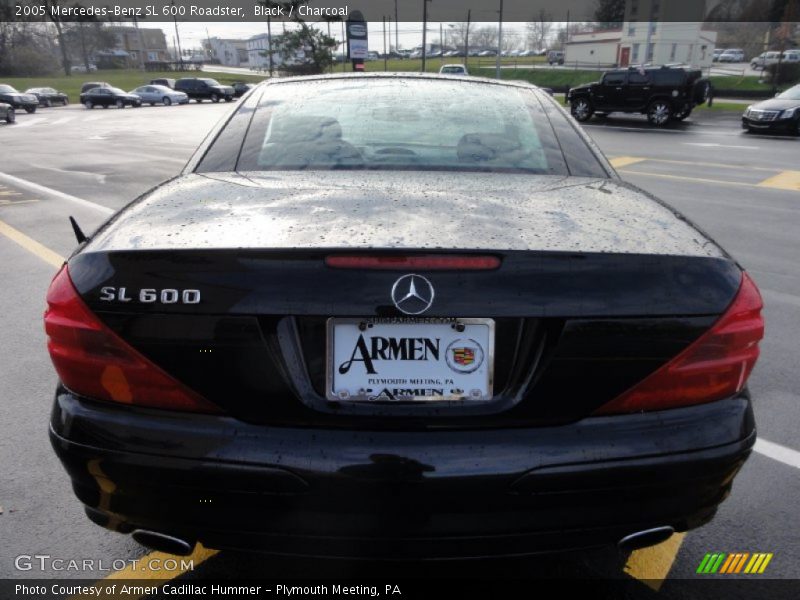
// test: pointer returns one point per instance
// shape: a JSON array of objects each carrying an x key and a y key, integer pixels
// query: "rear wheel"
[
  {"x": 659, "y": 113},
  {"x": 228, "y": 98},
  {"x": 30, "y": 109},
  {"x": 120, "y": 104},
  {"x": 166, "y": 100},
  {"x": 11, "y": 116},
  {"x": 198, "y": 100},
  {"x": 89, "y": 104},
  {"x": 214, "y": 98},
  {"x": 582, "y": 109},
  {"x": 47, "y": 103}
]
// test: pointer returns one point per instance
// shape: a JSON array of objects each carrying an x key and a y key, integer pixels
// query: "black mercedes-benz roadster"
[{"x": 401, "y": 316}]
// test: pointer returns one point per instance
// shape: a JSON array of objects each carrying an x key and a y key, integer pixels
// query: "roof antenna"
[{"x": 77, "y": 231}]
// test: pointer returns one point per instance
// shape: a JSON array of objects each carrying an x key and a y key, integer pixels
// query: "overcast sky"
[{"x": 410, "y": 33}]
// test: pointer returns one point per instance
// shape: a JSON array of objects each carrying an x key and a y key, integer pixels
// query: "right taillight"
[
  {"x": 93, "y": 361},
  {"x": 713, "y": 367}
]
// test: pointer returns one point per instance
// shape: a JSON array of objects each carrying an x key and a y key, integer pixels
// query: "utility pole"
[
  {"x": 269, "y": 45},
  {"x": 441, "y": 44},
  {"x": 385, "y": 56},
  {"x": 424, "y": 31},
  {"x": 499, "y": 42},
  {"x": 344, "y": 48},
  {"x": 396, "y": 32},
  {"x": 141, "y": 44},
  {"x": 466, "y": 37},
  {"x": 177, "y": 35}
]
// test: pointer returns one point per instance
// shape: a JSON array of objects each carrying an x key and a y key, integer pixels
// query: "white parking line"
[
  {"x": 41, "y": 189},
  {"x": 706, "y": 145},
  {"x": 777, "y": 452},
  {"x": 29, "y": 121}
]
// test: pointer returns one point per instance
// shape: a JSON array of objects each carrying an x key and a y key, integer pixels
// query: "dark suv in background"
[
  {"x": 204, "y": 89},
  {"x": 662, "y": 93}
]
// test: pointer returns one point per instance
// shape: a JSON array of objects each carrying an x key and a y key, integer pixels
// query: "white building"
[
  {"x": 231, "y": 53},
  {"x": 650, "y": 34}
]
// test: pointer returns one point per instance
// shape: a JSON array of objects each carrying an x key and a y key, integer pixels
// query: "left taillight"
[{"x": 93, "y": 361}]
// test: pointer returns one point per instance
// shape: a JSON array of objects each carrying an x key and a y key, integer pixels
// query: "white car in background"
[
  {"x": 454, "y": 69},
  {"x": 160, "y": 94},
  {"x": 765, "y": 59},
  {"x": 732, "y": 55}
]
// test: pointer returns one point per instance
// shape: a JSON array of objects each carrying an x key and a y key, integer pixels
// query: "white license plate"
[{"x": 408, "y": 359}]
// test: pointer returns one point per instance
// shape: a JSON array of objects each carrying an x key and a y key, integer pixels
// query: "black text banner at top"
[{"x": 614, "y": 13}]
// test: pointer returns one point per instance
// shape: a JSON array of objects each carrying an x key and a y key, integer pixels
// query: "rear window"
[
  {"x": 398, "y": 124},
  {"x": 668, "y": 77}
]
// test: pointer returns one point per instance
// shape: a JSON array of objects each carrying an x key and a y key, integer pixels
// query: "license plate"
[{"x": 410, "y": 360}]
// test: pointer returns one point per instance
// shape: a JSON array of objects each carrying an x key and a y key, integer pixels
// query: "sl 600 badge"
[{"x": 150, "y": 295}]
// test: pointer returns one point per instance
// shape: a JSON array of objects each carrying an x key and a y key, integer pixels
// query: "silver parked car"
[
  {"x": 160, "y": 94},
  {"x": 7, "y": 112}
]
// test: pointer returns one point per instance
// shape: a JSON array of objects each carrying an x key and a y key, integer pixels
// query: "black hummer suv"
[
  {"x": 662, "y": 93},
  {"x": 204, "y": 89}
]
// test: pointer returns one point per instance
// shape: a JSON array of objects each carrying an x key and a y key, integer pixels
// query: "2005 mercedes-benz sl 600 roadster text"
[{"x": 401, "y": 316}]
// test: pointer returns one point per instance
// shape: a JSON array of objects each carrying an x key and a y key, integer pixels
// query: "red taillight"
[
  {"x": 714, "y": 367},
  {"x": 422, "y": 262},
  {"x": 93, "y": 361}
]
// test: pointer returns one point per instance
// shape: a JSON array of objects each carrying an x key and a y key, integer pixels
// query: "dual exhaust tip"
[
  {"x": 645, "y": 538},
  {"x": 175, "y": 545},
  {"x": 163, "y": 542}
]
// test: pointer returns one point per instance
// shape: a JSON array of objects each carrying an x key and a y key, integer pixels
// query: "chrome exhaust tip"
[
  {"x": 645, "y": 538},
  {"x": 163, "y": 542}
]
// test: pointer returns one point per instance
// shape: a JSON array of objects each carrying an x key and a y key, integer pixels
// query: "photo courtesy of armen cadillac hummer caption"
[
  {"x": 662, "y": 93},
  {"x": 363, "y": 323}
]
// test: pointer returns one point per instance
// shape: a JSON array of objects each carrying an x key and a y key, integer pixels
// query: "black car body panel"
[
  {"x": 49, "y": 96},
  {"x": 107, "y": 96},
  {"x": 771, "y": 115},
  {"x": 204, "y": 89},
  {"x": 636, "y": 90},
  {"x": 9, "y": 95},
  {"x": 595, "y": 286},
  {"x": 400, "y": 494}
]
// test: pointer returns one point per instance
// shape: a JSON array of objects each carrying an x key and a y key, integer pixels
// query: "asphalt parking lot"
[{"x": 742, "y": 189}]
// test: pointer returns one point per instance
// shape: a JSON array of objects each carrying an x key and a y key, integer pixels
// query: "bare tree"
[
  {"x": 58, "y": 21},
  {"x": 483, "y": 37},
  {"x": 539, "y": 30}
]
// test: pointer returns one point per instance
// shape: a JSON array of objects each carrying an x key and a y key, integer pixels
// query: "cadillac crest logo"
[{"x": 464, "y": 355}]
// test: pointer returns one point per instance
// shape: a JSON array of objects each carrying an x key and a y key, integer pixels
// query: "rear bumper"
[{"x": 391, "y": 494}]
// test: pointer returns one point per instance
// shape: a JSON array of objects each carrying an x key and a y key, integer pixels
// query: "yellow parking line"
[
  {"x": 31, "y": 245},
  {"x": 694, "y": 179},
  {"x": 787, "y": 180},
  {"x": 652, "y": 565},
  {"x": 10, "y": 193},
  {"x": 624, "y": 161},
  {"x": 15, "y": 202}
]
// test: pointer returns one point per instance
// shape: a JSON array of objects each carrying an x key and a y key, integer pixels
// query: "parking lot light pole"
[
  {"x": 177, "y": 35},
  {"x": 499, "y": 42},
  {"x": 424, "y": 30}
]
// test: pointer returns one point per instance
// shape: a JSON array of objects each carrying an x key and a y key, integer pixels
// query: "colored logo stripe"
[{"x": 720, "y": 562}]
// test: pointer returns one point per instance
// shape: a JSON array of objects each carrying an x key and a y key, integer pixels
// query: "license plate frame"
[{"x": 483, "y": 349}]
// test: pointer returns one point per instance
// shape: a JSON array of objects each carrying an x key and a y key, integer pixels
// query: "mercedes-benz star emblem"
[{"x": 412, "y": 294}]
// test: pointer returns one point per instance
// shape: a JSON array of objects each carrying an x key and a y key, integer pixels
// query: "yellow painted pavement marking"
[
  {"x": 652, "y": 565},
  {"x": 787, "y": 180},
  {"x": 624, "y": 161},
  {"x": 695, "y": 179},
  {"x": 31, "y": 245},
  {"x": 15, "y": 202}
]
